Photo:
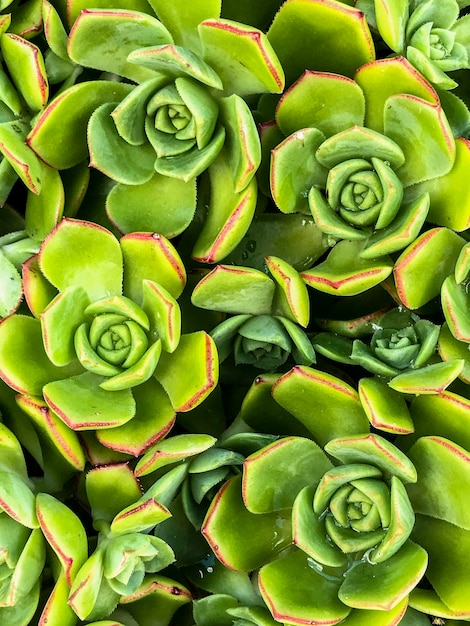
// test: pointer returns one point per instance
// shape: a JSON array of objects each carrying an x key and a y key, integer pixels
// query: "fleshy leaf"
[
  {"x": 439, "y": 243},
  {"x": 56, "y": 437},
  {"x": 86, "y": 585},
  {"x": 359, "y": 142},
  {"x": 59, "y": 321},
  {"x": 64, "y": 532},
  {"x": 110, "y": 50},
  {"x": 171, "y": 450},
  {"x": 295, "y": 603},
  {"x": 235, "y": 290},
  {"x": 345, "y": 273},
  {"x": 141, "y": 516},
  {"x": 402, "y": 231},
  {"x": 229, "y": 212},
  {"x": 284, "y": 468},
  {"x": 445, "y": 189},
  {"x": 308, "y": 532},
  {"x": 189, "y": 373},
  {"x": 176, "y": 61},
  {"x": 432, "y": 378},
  {"x": 164, "y": 314},
  {"x": 307, "y": 393},
  {"x": 115, "y": 157},
  {"x": 407, "y": 117},
  {"x": 386, "y": 77},
  {"x": 295, "y": 170},
  {"x": 391, "y": 21},
  {"x": 18, "y": 499},
  {"x": 398, "y": 576},
  {"x": 440, "y": 462},
  {"x": 54, "y": 31},
  {"x": 242, "y": 56},
  {"x": 21, "y": 158},
  {"x": 45, "y": 209},
  {"x": 427, "y": 602},
  {"x": 59, "y": 133},
  {"x": 132, "y": 208},
  {"x": 150, "y": 256},
  {"x": 318, "y": 100},
  {"x": 26, "y": 65},
  {"x": 386, "y": 409},
  {"x": 447, "y": 546},
  {"x": 82, "y": 404},
  {"x": 83, "y": 254},
  {"x": 376, "y": 450},
  {"x": 11, "y": 291},
  {"x": 153, "y": 419},
  {"x": 20, "y": 337},
  {"x": 327, "y": 35},
  {"x": 292, "y": 297},
  {"x": 241, "y": 140},
  {"x": 229, "y": 525},
  {"x": 109, "y": 489},
  {"x": 182, "y": 19}
]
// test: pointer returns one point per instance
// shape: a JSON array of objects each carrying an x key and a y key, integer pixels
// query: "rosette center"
[
  {"x": 365, "y": 193},
  {"x": 115, "y": 338}
]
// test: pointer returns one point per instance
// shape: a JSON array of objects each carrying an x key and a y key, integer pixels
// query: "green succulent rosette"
[
  {"x": 401, "y": 351},
  {"x": 125, "y": 551},
  {"x": 104, "y": 337},
  {"x": 351, "y": 160},
  {"x": 268, "y": 314},
  {"x": 175, "y": 109},
  {"x": 400, "y": 341},
  {"x": 330, "y": 522},
  {"x": 351, "y": 522},
  {"x": 431, "y": 34}
]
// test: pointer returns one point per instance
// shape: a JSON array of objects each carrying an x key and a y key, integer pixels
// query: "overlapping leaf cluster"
[{"x": 235, "y": 328}]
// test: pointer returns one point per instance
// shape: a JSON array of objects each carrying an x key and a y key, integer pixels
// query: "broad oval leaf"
[
  {"x": 242, "y": 540},
  {"x": 79, "y": 253},
  {"x": 309, "y": 394},
  {"x": 59, "y": 133},
  {"x": 329, "y": 102},
  {"x": 284, "y": 468},
  {"x": 110, "y": 49},
  {"x": 242, "y": 56},
  {"x": 324, "y": 34}
]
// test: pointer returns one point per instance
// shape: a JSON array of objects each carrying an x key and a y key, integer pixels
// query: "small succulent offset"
[
  {"x": 267, "y": 314},
  {"x": 126, "y": 550},
  {"x": 105, "y": 336},
  {"x": 429, "y": 33},
  {"x": 175, "y": 109}
]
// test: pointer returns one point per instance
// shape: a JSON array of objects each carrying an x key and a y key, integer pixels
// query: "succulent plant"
[
  {"x": 106, "y": 330},
  {"x": 401, "y": 348},
  {"x": 282, "y": 438},
  {"x": 357, "y": 171},
  {"x": 430, "y": 34},
  {"x": 267, "y": 314},
  {"x": 323, "y": 520},
  {"x": 183, "y": 113}
]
